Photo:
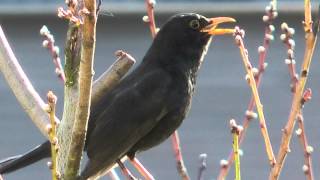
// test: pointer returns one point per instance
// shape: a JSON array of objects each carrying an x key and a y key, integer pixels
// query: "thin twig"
[
  {"x": 235, "y": 130},
  {"x": 150, "y": 16},
  {"x": 182, "y": 170},
  {"x": 203, "y": 166},
  {"x": 286, "y": 37},
  {"x": 52, "y": 128},
  {"x": 48, "y": 43},
  {"x": 307, "y": 167},
  {"x": 142, "y": 170},
  {"x": 253, "y": 86},
  {"x": 270, "y": 15},
  {"x": 85, "y": 88},
  {"x": 125, "y": 171},
  {"x": 310, "y": 41}
]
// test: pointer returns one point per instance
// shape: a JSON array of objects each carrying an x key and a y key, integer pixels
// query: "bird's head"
[
  {"x": 187, "y": 36},
  {"x": 192, "y": 29}
]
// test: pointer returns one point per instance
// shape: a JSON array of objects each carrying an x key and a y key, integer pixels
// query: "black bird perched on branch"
[{"x": 149, "y": 104}]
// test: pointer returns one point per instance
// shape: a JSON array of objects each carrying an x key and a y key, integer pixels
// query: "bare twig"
[
  {"x": 235, "y": 130},
  {"x": 310, "y": 41},
  {"x": 85, "y": 87},
  {"x": 203, "y": 166},
  {"x": 286, "y": 37},
  {"x": 271, "y": 14},
  {"x": 51, "y": 128},
  {"x": 182, "y": 170},
  {"x": 250, "y": 77},
  {"x": 125, "y": 171},
  {"x": 48, "y": 43},
  {"x": 150, "y": 16},
  {"x": 307, "y": 167},
  {"x": 142, "y": 170},
  {"x": 21, "y": 86}
]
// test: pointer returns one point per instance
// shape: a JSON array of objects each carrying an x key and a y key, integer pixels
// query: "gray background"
[{"x": 222, "y": 94}]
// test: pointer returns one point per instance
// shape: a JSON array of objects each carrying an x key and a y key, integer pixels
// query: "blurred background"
[{"x": 222, "y": 92}]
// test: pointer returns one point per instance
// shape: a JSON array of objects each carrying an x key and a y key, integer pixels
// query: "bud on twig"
[
  {"x": 49, "y": 164},
  {"x": 224, "y": 163},
  {"x": 145, "y": 19}
]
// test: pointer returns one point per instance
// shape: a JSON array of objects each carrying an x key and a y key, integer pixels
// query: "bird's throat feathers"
[{"x": 179, "y": 57}]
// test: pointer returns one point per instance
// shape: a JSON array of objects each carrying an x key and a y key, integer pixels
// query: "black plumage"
[{"x": 150, "y": 103}]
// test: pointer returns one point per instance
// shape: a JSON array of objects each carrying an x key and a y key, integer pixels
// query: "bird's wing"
[{"x": 133, "y": 111}]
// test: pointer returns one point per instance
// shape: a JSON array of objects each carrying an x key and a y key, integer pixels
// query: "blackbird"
[{"x": 149, "y": 104}]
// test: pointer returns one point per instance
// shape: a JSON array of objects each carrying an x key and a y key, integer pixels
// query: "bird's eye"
[{"x": 194, "y": 24}]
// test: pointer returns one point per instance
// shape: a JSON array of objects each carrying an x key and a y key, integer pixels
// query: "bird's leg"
[{"x": 125, "y": 170}]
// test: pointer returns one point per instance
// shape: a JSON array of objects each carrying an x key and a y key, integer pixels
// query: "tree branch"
[
  {"x": 110, "y": 78},
  {"x": 21, "y": 86},
  {"x": 307, "y": 149},
  {"x": 51, "y": 128},
  {"x": 310, "y": 41},
  {"x": 252, "y": 83},
  {"x": 85, "y": 87},
  {"x": 268, "y": 19}
]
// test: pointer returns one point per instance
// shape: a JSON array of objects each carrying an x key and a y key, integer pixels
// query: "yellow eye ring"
[{"x": 194, "y": 24}]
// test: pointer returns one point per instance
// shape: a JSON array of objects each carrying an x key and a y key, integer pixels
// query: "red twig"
[
  {"x": 125, "y": 171},
  {"x": 307, "y": 167},
  {"x": 142, "y": 170},
  {"x": 48, "y": 43},
  {"x": 150, "y": 16},
  {"x": 310, "y": 44},
  {"x": 268, "y": 18},
  {"x": 182, "y": 170},
  {"x": 286, "y": 37}
]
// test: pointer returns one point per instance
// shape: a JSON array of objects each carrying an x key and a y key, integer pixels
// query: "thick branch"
[
  {"x": 112, "y": 76},
  {"x": 85, "y": 86},
  {"x": 72, "y": 49},
  {"x": 21, "y": 86}
]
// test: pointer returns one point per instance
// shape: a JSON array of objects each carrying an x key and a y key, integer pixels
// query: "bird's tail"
[{"x": 16, "y": 162}]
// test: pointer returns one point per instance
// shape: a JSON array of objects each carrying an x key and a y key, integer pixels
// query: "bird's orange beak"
[{"x": 214, "y": 22}]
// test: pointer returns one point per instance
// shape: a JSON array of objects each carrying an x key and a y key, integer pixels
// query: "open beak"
[{"x": 214, "y": 22}]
